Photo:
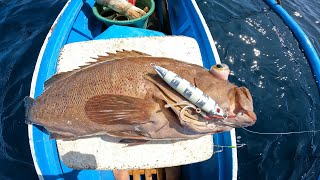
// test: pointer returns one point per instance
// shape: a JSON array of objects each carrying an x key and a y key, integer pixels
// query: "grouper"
[{"x": 121, "y": 95}]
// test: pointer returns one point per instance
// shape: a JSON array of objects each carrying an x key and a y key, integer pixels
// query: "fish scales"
[
  {"x": 112, "y": 79},
  {"x": 74, "y": 106}
]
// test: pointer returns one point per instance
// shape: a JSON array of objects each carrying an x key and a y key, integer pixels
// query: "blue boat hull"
[
  {"x": 185, "y": 19},
  {"x": 302, "y": 38}
]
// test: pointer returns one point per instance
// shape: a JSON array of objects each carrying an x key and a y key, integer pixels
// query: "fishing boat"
[{"x": 77, "y": 23}]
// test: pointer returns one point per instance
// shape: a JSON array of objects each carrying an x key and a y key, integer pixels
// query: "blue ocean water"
[
  {"x": 265, "y": 57},
  {"x": 23, "y": 28},
  {"x": 251, "y": 39}
]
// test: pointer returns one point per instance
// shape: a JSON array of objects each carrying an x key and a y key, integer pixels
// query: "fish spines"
[{"x": 28, "y": 104}]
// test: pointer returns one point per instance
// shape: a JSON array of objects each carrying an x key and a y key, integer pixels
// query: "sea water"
[
  {"x": 260, "y": 50},
  {"x": 265, "y": 57}
]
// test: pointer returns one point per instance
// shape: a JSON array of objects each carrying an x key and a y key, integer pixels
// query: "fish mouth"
[
  {"x": 240, "y": 112},
  {"x": 241, "y": 119}
]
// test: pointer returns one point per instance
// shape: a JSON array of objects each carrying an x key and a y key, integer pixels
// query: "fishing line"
[
  {"x": 189, "y": 105},
  {"x": 222, "y": 147},
  {"x": 236, "y": 146},
  {"x": 255, "y": 132},
  {"x": 269, "y": 133},
  {"x": 246, "y": 15},
  {"x": 281, "y": 133}
]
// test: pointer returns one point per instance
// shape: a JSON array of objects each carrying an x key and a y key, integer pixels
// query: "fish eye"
[{"x": 221, "y": 66}]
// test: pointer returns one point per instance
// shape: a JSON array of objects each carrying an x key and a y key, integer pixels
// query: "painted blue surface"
[
  {"x": 116, "y": 31},
  {"x": 219, "y": 166},
  {"x": 302, "y": 38},
  {"x": 68, "y": 30},
  {"x": 45, "y": 149},
  {"x": 186, "y": 21},
  {"x": 158, "y": 9},
  {"x": 78, "y": 26},
  {"x": 86, "y": 26},
  {"x": 69, "y": 173}
]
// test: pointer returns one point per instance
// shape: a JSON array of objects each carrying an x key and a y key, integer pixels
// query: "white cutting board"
[{"x": 104, "y": 152}]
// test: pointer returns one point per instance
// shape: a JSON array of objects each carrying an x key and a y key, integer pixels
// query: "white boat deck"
[{"x": 105, "y": 152}]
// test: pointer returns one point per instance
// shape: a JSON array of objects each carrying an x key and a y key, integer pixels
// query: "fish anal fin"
[
  {"x": 61, "y": 135},
  {"x": 133, "y": 142},
  {"x": 54, "y": 136},
  {"x": 110, "y": 109}
]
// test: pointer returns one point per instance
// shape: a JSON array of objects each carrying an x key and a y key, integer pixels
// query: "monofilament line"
[
  {"x": 270, "y": 133},
  {"x": 280, "y": 133}
]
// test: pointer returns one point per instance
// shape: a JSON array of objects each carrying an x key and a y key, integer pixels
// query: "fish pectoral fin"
[
  {"x": 110, "y": 109},
  {"x": 133, "y": 142}
]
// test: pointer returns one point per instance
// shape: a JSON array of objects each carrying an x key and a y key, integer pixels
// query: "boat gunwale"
[
  {"x": 37, "y": 87},
  {"x": 302, "y": 38},
  {"x": 34, "y": 83},
  {"x": 224, "y": 138}
]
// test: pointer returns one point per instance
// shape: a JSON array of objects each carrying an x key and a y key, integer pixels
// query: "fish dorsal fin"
[
  {"x": 112, "y": 57},
  {"x": 100, "y": 59},
  {"x": 48, "y": 83},
  {"x": 120, "y": 55}
]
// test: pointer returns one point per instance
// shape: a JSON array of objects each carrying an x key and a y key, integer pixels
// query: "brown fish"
[{"x": 121, "y": 95}]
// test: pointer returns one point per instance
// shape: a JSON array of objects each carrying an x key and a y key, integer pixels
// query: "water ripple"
[
  {"x": 264, "y": 56},
  {"x": 23, "y": 25}
]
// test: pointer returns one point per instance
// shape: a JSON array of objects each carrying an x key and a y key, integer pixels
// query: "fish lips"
[
  {"x": 217, "y": 125},
  {"x": 242, "y": 119}
]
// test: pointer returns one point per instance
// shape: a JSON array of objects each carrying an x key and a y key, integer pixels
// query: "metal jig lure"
[{"x": 190, "y": 92}]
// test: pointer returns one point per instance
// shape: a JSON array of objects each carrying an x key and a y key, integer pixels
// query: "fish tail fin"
[{"x": 28, "y": 103}]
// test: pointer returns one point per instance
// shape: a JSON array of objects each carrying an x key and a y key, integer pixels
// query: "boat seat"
[{"x": 105, "y": 153}]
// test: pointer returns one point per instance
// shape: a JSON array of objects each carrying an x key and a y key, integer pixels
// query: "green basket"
[{"x": 105, "y": 14}]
